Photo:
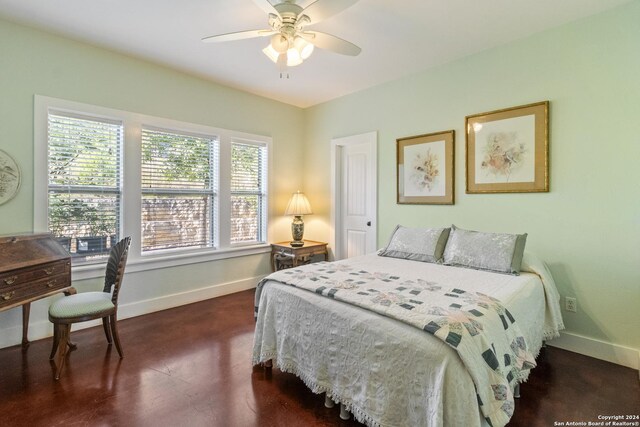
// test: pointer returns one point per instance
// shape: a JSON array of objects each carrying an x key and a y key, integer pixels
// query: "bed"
[{"x": 393, "y": 372}]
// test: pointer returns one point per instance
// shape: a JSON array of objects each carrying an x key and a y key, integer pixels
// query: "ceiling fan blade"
[
  {"x": 241, "y": 35},
  {"x": 332, "y": 43},
  {"x": 266, "y": 6},
  {"x": 323, "y": 9}
]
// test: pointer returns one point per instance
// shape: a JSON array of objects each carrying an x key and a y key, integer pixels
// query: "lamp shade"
[
  {"x": 298, "y": 205},
  {"x": 303, "y": 47},
  {"x": 279, "y": 43}
]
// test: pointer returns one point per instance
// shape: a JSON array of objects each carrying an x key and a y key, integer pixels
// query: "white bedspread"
[{"x": 386, "y": 372}]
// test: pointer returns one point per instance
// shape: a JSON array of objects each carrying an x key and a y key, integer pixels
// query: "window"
[
  {"x": 184, "y": 192},
  {"x": 248, "y": 192},
  {"x": 178, "y": 190},
  {"x": 84, "y": 186}
]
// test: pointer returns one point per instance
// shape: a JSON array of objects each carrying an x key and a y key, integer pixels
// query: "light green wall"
[
  {"x": 588, "y": 226},
  {"x": 34, "y": 62}
]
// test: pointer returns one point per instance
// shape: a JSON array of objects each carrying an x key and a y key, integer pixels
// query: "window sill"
[{"x": 153, "y": 262}]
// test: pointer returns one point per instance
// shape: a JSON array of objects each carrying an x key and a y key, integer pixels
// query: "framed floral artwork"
[
  {"x": 9, "y": 177},
  {"x": 508, "y": 150},
  {"x": 425, "y": 169}
]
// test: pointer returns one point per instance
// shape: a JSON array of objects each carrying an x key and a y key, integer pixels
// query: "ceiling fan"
[{"x": 290, "y": 42}]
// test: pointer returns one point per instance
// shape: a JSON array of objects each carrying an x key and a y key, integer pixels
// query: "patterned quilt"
[{"x": 477, "y": 326}]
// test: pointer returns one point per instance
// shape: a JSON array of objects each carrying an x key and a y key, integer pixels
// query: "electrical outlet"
[{"x": 570, "y": 304}]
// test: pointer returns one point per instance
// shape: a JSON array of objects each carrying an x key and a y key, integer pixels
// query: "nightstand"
[{"x": 283, "y": 255}]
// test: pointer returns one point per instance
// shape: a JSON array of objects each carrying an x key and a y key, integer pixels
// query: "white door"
[{"x": 355, "y": 194}]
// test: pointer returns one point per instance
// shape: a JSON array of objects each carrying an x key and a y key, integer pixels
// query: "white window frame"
[
  {"x": 213, "y": 191},
  {"x": 264, "y": 223},
  {"x": 131, "y": 201},
  {"x": 88, "y": 189}
]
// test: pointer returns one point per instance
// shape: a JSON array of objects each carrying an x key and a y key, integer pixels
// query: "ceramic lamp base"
[{"x": 297, "y": 231}]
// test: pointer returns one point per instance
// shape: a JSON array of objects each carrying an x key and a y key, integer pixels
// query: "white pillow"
[{"x": 499, "y": 252}]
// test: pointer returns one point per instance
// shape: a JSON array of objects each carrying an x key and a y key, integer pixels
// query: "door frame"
[{"x": 337, "y": 145}]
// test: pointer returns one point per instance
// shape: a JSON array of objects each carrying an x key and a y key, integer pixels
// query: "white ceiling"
[{"x": 397, "y": 38}]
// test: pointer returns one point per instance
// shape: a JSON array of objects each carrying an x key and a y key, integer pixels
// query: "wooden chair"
[{"x": 89, "y": 306}]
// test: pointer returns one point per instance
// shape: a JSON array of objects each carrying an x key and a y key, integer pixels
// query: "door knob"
[{"x": 368, "y": 223}]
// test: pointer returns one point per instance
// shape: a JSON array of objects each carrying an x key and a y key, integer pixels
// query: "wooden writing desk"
[{"x": 32, "y": 266}]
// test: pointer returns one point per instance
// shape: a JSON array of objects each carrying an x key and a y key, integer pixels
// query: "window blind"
[
  {"x": 178, "y": 173},
  {"x": 248, "y": 192},
  {"x": 84, "y": 182}
]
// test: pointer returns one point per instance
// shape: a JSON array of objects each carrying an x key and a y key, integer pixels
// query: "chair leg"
[
  {"x": 63, "y": 335},
  {"x": 56, "y": 340},
  {"x": 107, "y": 329},
  {"x": 72, "y": 346},
  {"x": 114, "y": 333}
]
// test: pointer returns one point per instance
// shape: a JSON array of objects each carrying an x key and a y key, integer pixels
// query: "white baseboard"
[
  {"x": 164, "y": 302},
  {"x": 620, "y": 355},
  {"x": 43, "y": 329}
]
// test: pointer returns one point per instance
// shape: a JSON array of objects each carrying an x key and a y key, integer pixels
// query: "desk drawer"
[
  {"x": 11, "y": 294},
  {"x": 16, "y": 278}
]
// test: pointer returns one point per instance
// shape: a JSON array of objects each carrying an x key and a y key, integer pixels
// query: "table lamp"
[{"x": 298, "y": 206}]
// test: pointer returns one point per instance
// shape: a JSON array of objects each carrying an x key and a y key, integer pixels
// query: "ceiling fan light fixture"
[
  {"x": 304, "y": 48},
  {"x": 293, "y": 58},
  {"x": 279, "y": 43},
  {"x": 271, "y": 53}
]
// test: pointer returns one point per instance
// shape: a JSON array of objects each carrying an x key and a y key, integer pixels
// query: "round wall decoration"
[{"x": 9, "y": 177}]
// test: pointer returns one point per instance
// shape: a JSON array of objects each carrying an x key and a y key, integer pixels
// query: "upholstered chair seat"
[
  {"x": 89, "y": 306},
  {"x": 73, "y": 308}
]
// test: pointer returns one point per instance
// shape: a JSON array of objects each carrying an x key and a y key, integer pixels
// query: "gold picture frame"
[
  {"x": 425, "y": 169},
  {"x": 508, "y": 150}
]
